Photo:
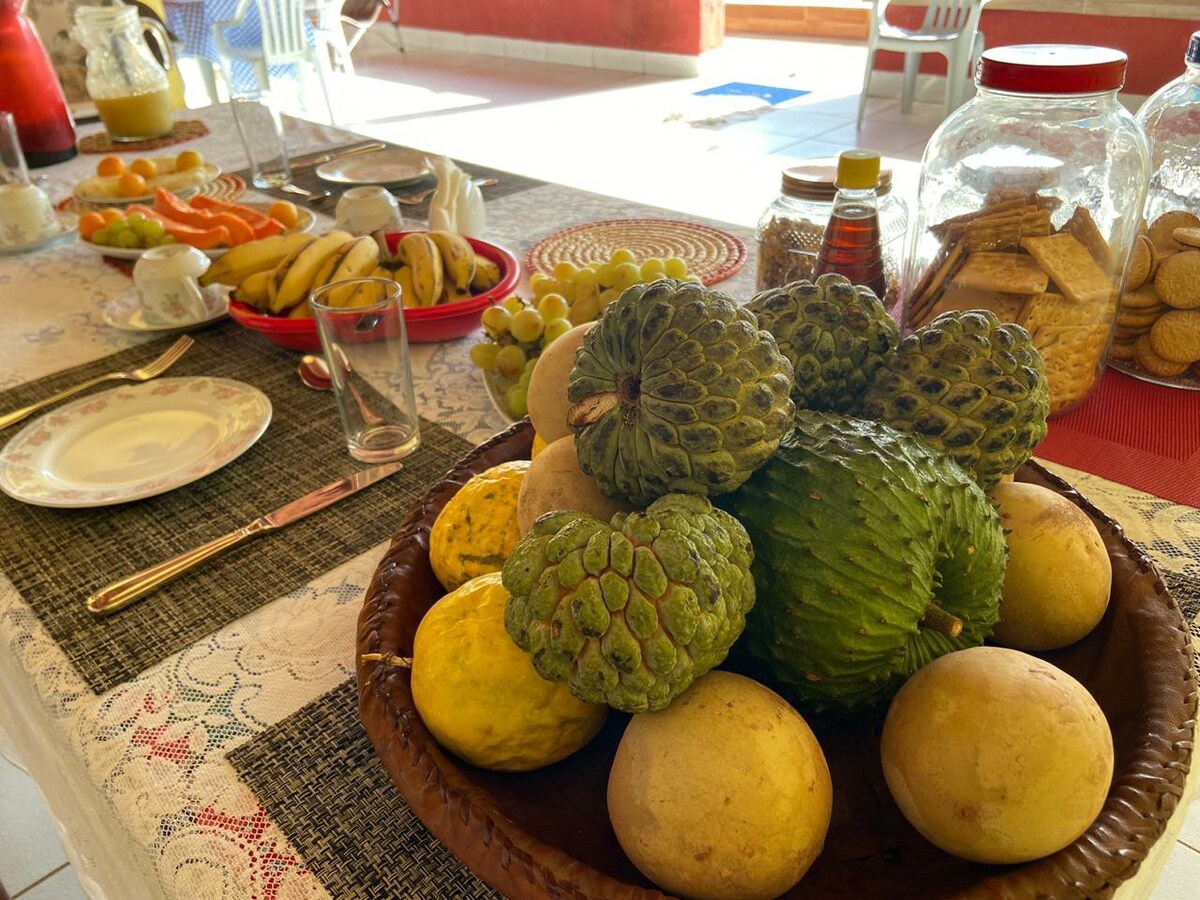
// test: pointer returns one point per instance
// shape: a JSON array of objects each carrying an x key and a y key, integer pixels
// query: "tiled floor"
[{"x": 626, "y": 134}]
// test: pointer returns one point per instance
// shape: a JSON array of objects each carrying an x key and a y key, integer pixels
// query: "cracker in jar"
[
  {"x": 1162, "y": 230},
  {"x": 1004, "y": 232},
  {"x": 1189, "y": 237},
  {"x": 1176, "y": 336},
  {"x": 1140, "y": 263},
  {"x": 1083, "y": 228},
  {"x": 1007, "y": 307},
  {"x": 1009, "y": 273},
  {"x": 920, "y": 303},
  {"x": 1071, "y": 266},
  {"x": 1072, "y": 355},
  {"x": 1143, "y": 352},
  {"x": 955, "y": 226},
  {"x": 1050, "y": 309},
  {"x": 1122, "y": 350},
  {"x": 1178, "y": 280}
]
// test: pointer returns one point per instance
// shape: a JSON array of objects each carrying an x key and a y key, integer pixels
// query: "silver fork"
[{"x": 151, "y": 370}]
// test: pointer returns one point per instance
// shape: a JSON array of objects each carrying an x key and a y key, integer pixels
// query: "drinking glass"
[
  {"x": 366, "y": 350},
  {"x": 260, "y": 127},
  {"x": 12, "y": 159}
]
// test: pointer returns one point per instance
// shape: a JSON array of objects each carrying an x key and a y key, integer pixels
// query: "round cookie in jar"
[
  {"x": 1029, "y": 205},
  {"x": 790, "y": 230}
]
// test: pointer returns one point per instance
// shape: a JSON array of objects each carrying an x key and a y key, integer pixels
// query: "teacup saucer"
[
  {"x": 125, "y": 313},
  {"x": 66, "y": 226}
]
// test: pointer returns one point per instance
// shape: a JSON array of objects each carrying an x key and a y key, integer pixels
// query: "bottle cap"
[
  {"x": 1052, "y": 69},
  {"x": 1193, "y": 51},
  {"x": 858, "y": 169}
]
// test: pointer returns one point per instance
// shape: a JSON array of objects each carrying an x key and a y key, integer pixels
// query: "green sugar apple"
[
  {"x": 874, "y": 554},
  {"x": 834, "y": 334},
  {"x": 677, "y": 390},
  {"x": 629, "y": 614},
  {"x": 967, "y": 384}
]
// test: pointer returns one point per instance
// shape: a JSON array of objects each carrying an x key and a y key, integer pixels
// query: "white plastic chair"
[
  {"x": 333, "y": 17},
  {"x": 951, "y": 28},
  {"x": 284, "y": 41}
]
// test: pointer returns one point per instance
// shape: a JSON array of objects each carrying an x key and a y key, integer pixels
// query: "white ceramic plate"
[
  {"x": 391, "y": 166},
  {"x": 211, "y": 172},
  {"x": 66, "y": 226},
  {"x": 304, "y": 222},
  {"x": 125, "y": 313},
  {"x": 132, "y": 442}
]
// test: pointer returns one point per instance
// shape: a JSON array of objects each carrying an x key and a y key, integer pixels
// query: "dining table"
[{"x": 205, "y": 743}]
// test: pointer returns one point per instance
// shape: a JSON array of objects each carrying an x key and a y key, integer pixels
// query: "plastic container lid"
[
  {"x": 1052, "y": 69},
  {"x": 815, "y": 180},
  {"x": 1193, "y": 51},
  {"x": 858, "y": 170}
]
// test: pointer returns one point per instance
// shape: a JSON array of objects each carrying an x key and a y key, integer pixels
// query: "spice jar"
[
  {"x": 1029, "y": 203},
  {"x": 790, "y": 230}
]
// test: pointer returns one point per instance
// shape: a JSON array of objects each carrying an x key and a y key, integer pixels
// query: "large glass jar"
[
  {"x": 1171, "y": 119},
  {"x": 1029, "y": 204},
  {"x": 124, "y": 80},
  {"x": 790, "y": 230}
]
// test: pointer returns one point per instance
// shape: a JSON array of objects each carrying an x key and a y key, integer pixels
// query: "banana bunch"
[
  {"x": 435, "y": 267},
  {"x": 251, "y": 258},
  {"x": 328, "y": 259}
]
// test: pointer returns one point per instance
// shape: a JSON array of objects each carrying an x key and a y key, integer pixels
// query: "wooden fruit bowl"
[{"x": 546, "y": 834}]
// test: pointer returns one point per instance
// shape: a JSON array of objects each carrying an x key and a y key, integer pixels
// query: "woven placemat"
[
  {"x": 710, "y": 253},
  {"x": 318, "y": 778},
  {"x": 182, "y": 130},
  {"x": 1141, "y": 435},
  {"x": 507, "y": 184},
  {"x": 57, "y": 557},
  {"x": 226, "y": 186}
]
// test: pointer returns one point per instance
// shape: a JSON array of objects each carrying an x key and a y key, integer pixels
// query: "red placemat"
[
  {"x": 1141, "y": 435},
  {"x": 182, "y": 130}
]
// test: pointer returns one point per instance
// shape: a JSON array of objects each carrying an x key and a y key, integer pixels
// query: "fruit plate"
[
  {"x": 209, "y": 173},
  {"x": 546, "y": 834},
  {"x": 305, "y": 221},
  {"x": 426, "y": 324}
]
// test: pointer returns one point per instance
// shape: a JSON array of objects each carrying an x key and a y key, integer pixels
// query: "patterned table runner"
[
  {"x": 318, "y": 777},
  {"x": 57, "y": 557},
  {"x": 507, "y": 184}
]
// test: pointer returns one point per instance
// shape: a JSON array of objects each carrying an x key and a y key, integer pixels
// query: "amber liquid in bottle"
[{"x": 851, "y": 245}]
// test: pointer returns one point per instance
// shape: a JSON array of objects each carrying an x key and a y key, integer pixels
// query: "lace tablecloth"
[{"x": 138, "y": 776}]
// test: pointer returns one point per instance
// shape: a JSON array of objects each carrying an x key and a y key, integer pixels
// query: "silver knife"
[
  {"x": 320, "y": 160},
  {"x": 121, "y": 593}
]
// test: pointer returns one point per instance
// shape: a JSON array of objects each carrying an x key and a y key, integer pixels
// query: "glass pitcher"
[
  {"x": 126, "y": 82},
  {"x": 30, "y": 90}
]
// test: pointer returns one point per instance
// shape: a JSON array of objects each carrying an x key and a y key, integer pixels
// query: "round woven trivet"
[
  {"x": 711, "y": 255},
  {"x": 226, "y": 186},
  {"x": 183, "y": 130}
]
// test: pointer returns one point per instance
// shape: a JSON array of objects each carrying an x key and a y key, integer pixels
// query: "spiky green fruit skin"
[
  {"x": 834, "y": 334},
  {"x": 695, "y": 394},
  {"x": 857, "y": 528},
  {"x": 629, "y": 614},
  {"x": 970, "y": 385}
]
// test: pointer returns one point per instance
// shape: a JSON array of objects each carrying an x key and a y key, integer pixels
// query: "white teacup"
[
  {"x": 25, "y": 215},
  {"x": 362, "y": 210},
  {"x": 165, "y": 278}
]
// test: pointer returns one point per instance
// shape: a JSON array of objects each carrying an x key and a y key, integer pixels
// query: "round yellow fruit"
[
  {"x": 1059, "y": 576},
  {"x": 477, "y": 529},
  {"x": 996, "y": 756},
  {"x": 478, "y": 693},
  {"x": 555, "y": 481},
  {"x": 724, "y": 795},
  {"x": 547, "y": 394}
]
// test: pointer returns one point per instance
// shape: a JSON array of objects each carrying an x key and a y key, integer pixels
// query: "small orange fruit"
[
  {"x": 188, "y": 159},
  {"x": 89, "y": 224},
  {"x": 284, "y": 212},
  {"x": 110, "y": 165},
  {"x": 131, "y": 185},
  {"x": 112, "y": 214},
  {"x": 147, "y": 168}
]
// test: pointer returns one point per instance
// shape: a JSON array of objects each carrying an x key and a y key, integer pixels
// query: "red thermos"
[{"x": 29, "y": 89}]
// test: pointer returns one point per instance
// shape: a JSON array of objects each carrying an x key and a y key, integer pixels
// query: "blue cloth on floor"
[{"x": 773, "y": 95}]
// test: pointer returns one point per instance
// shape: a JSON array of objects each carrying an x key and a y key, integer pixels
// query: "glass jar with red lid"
[{"x": 1029, "y": 204}]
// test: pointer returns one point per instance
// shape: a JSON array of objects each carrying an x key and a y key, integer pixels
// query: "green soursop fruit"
[
  {"x": 874, "y": 554},
  {"x": 677, "y": 390},
  {"x": 834, "y": 334},
  {"x": 969, "y": 385},
  {"x": 629, "y": 614}
]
